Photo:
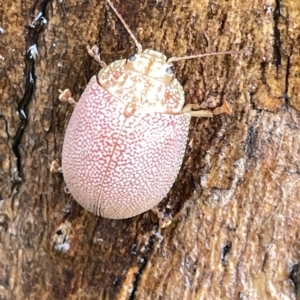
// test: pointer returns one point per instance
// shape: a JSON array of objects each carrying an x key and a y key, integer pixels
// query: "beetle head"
[{"x": 153, "y": 64}]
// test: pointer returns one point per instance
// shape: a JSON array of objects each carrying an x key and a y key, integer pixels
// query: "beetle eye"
[
  {"x": 132, "y": 58},
  {"x": 169, "y": 71}
]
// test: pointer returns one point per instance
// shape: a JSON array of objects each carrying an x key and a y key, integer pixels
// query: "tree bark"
[{"x": 235, "y": 204}]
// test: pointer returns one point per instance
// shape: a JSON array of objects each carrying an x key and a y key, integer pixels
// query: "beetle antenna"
[
  {"x": 203, "y": 55},
  {"x": 138, "y": 45}
]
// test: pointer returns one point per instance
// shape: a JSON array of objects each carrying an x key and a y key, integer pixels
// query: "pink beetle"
[{"x": 126, "y": 138}]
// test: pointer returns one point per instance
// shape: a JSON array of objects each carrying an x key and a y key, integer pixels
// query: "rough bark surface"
[{"x": 235, "y": 204}]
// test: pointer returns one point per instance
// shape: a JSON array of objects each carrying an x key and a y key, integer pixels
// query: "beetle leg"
[
  {"x": 66, "y": 96},
  {"x": 188, "y": 109},
  {"x": 94, "y": 52},
  {"x": 55, "y": 167},
  {"x": 163, "y": 220},
  {"x": 193, "y": 110},
  {"x": 224, "y": 108}
]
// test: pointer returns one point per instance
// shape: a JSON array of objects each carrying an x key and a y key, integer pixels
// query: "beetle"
[{"x": 126, "y": 138}]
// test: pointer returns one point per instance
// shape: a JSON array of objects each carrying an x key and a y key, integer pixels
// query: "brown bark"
[{"x": 236, "y": 201}]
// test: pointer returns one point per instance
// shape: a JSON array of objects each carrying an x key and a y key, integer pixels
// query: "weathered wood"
[{"x": 236, "y": 201}]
